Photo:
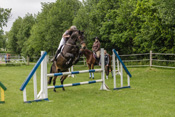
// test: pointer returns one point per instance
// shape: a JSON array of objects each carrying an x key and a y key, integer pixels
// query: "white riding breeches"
[{"x": 62, "y": 42}]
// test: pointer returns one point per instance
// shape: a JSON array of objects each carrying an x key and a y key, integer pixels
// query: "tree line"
[{"x": 129, "y": 26}]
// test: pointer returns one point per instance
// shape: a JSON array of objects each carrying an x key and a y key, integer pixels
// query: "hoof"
[
  {"x": 93, "y": 78},
  {"x": 54, "y": 90},
  {"x": 89, "y": 77}
]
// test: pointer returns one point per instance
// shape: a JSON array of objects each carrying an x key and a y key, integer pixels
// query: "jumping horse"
[
  {"x": 91, "y": 61},
  {"x": 68, "y": 56}
]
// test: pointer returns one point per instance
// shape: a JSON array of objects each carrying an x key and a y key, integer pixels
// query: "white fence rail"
[
  {"x": 12, "y": 59},
  {"x": 164, "y": 60}
]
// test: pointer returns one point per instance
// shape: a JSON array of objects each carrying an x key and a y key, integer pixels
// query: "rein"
[
  {"x": 68, "y": 44},
  {"x": 82, "y": 42}
]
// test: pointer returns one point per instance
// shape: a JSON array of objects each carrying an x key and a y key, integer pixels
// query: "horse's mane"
[
  {"x": 74, "y": 33},
  {"x": 87, "y": 52}
]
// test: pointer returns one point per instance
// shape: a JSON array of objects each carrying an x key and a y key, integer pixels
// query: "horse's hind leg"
[
  {"x": 54, "y": 82},
  {"x": 52, "y": 70},
  {"x": 89, "y": 65},
  {"x": 62, "y": 80},
  {"x": 50, "y": 80}
]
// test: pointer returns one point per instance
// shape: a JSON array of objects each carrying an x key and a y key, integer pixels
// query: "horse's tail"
[{"x": 50, "y": 78}]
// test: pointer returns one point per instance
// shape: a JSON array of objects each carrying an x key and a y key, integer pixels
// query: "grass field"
[{"x": 152, "y": 94}]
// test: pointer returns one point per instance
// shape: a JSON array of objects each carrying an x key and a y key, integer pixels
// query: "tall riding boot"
[{"x": 57, "y": 52}]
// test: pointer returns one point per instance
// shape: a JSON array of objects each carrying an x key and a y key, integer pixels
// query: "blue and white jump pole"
[
  {"x": 102, "y": 80},
  {"x": 120, "y": 66},
  {"x": 43, "y": 94}
]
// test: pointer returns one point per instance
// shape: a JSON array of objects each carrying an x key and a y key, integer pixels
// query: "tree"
[
  {"x": 1, "y": 38},
  {"x": 4, "y": 16},
  {"x": 51, "y": 23},
  {"x": 24, "y": 32},
  {"x": 12, "y": 44},
  {"x": 87, "y": 20},
  {"x": 130, "y": 26}
]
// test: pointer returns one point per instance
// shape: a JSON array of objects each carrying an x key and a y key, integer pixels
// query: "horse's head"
[
  {"x": 81, "y": 39},
  {"x": 78, "y": 36}
]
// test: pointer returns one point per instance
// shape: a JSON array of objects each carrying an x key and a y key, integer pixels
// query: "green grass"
[{"x": 152, "y": 94}]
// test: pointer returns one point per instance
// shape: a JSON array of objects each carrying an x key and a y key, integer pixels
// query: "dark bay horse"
[
  {"x": 91, "y": 61},
  {"x": 68, "y": 56}
]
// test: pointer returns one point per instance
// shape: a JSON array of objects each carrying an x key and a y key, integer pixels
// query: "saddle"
[{"x": 96, "y": 58}]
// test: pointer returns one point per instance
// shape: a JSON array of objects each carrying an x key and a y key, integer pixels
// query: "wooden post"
[
  {"x": 150, "y": 58},
  {"x": 28, "y": 60}
]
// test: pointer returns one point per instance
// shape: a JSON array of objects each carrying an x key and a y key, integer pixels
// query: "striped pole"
[
  {"x": 74, "y": 72},
  {"x": 102, "y": 80},
  {"x": 43, "y": 94},
  {"x": 75, "y": 84}
]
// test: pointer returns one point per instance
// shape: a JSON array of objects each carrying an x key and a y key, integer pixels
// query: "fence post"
[
  {"x": 150, "y": 58},
  {"x": 28, "y": 60}
]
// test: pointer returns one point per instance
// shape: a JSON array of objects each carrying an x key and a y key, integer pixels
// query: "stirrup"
[{"x": 52, "y": 60}]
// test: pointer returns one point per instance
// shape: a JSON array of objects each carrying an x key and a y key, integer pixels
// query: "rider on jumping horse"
[{"x": 64, "y": 39}]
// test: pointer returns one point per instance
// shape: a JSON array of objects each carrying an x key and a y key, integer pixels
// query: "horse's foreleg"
[
  {"x": 76, "y": 60},
  {"x": 89, "y": 65},
  {"x": 62, "y": 80},
  {"x": 70, "y": 58},
  {"x": 69, "y": 55},
  {"x": 92, "y": 66},
  {"x": 54, "y": 82}
]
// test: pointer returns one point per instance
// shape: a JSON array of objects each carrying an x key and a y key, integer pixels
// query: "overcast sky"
[{"x": 21, "y": 8}]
